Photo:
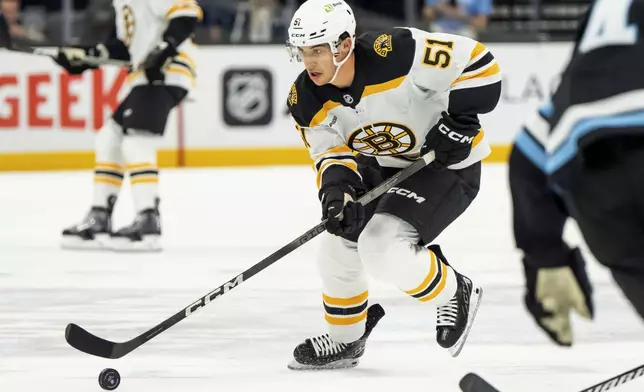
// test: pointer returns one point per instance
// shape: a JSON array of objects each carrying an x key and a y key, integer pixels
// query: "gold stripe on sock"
[
  {"x": 108, "y": 180},
  {"x": 439, "y": 287},
  {"x": 345, "y": 320},
  {"x": 429, "y": 278},
  {"x": 141, "y": 166},
  {"x": 144, "y": 180},
  {"x": 108, "y": 166},
  {"x": 357, "y": 300}
]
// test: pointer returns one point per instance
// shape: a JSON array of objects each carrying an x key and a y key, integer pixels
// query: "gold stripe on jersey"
[
  {"x": 181, "y": 70},
  {"x": 477, "y": 51},
  {"x": 382, "y": 87},
  {"x": 133, "y": 75},
  {"x": 322, "y": 114},
  {"x": 185, "y": 8},
  {"x": 188, "y": 60},
  {"x": 484, "y": 73},
  {"x": 338, "y": 150},
  {"x": 352, "y": 301},
  {"x": 303, "y": 135},
  {"x": 331, "y": 162},
  {"x": 478, "y": 138}
]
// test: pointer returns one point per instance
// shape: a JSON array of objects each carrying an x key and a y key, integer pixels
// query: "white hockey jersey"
[
  {"x": 404, "y": 79},
  {"x": 140, "y": 25}
]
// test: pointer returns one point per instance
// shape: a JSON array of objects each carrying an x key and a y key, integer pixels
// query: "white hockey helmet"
[{"x": 319, "y": 22}]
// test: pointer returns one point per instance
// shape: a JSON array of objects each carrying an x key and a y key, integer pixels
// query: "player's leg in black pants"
[
  {"x": 539, "y": 214},
  {"x": 609, "y": 199},
  {"x": 556, "y": 281}
]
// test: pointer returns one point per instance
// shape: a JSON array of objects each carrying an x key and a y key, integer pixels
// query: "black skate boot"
[
  {"x": 322, "y": 353},
  {"x": 454, "y": 319},
  {"x": 143, "y": 235},
  {"x": 94, "y": 231}
]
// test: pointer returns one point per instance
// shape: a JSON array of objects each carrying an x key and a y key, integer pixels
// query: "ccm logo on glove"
[{"x": 457, "y": 137}]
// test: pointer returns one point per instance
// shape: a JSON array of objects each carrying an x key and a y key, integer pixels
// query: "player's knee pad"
[
  {"x": 108, "y": 142},
  {"x": 384, "y": 240}
]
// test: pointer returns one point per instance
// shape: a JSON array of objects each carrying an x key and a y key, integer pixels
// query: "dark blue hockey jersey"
[{"x": 601, "y": 93}]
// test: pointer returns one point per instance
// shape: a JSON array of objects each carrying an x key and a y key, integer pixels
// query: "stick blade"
[
  {"x": 473, "y": 383},
  {"x": 84, "y": 341}
]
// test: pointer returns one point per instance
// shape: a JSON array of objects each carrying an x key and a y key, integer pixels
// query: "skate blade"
[
  {"x": 475, "y": 302},
  {"x": 150, "y": 243},
  {"x": 73, "y": 242},
  {"x": 341, "y": 364}
]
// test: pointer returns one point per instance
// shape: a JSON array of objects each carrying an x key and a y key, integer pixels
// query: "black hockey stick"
[
  {"x": 86, "y": 342},
  {"x": 6, "y": 42},
  {"x": 474, "y": 383}
]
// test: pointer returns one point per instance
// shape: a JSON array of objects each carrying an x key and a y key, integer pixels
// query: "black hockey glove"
[
  {"x": 154, "y": 65},
  {"x": 339, "y": 206},
  {"x": 73, "y": 58},
  {"x": 451, "y": 139},
  {"x": 553, "y": 292}
]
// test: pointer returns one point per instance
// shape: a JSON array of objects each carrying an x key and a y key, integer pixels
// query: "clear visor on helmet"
[{"x": 297, "y": 55}]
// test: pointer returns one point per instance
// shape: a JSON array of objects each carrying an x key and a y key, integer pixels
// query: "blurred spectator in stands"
[
  {"x": 99, "y": 22},
  {"x": 463, "y": 17},
  {"x": 219, "y": 17},
  {"x": 21, "y": 34},
  {"x": 262, "y": 20}
]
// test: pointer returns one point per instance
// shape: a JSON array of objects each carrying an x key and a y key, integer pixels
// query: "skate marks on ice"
[{"x": 244, "y": 341}]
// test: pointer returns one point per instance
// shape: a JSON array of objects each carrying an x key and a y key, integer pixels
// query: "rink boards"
[{"x": 236, "y": 115}]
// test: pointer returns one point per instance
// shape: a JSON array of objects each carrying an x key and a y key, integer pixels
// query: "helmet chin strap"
[{"x": 339, "y": 65}]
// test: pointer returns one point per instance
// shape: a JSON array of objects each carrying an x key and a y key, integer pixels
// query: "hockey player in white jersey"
[
  {"x": 365, "y": 108},
  {"x": 155, "y": 36}
]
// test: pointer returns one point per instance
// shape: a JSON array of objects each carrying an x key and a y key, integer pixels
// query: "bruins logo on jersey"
[
  {"x": 292, "y": 96},
  {"x": 383, "y": 45},
  {"x": 382, "y": 139}
]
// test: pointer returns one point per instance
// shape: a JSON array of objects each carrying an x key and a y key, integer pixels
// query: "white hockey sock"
[
  {"x": 345, "y": 289},
  {"x": 108, "y": 169},
  {"x": 140, "y": 153},
  {"x": 388, "y": 248}
]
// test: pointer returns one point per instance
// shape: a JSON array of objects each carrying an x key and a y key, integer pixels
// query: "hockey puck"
[{"x": 109, "y": 379}]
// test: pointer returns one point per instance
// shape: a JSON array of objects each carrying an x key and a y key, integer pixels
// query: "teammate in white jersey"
[
  {"x": 155, "y": 36},
  {"x": 366, "y": 108}
]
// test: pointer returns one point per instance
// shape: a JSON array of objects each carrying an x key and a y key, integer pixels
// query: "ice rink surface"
[{"x": 217, "y": 223}]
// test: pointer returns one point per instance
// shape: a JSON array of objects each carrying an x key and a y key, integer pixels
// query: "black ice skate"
[
  {"x": 94, "y": 231},
  {"x": 454, "y": 319},
  {"x": 322, "y": 353},
  {"x": 143, "y": 235}
]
